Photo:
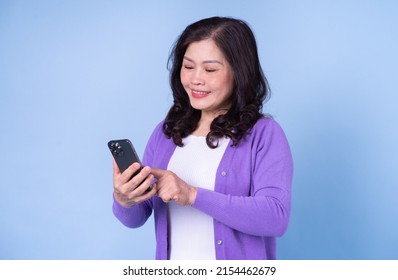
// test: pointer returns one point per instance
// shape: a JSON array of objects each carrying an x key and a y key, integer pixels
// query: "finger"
[
  {"x": 145, "y": 186},
  {"x": 158, "y": 173},
  {"x": 138, "y": 179},
  {"x": 130, "y": 201},
  {"x": 143, "y": 192},
  {"x": 146, "y": 195},
  {"x": 152, "y": 190},
  {"x": 116, "y": 169},
  {"x": 130, "y": 171},
  {"x": 166, "y": 199},
  {"x": 165, "y": 194}
]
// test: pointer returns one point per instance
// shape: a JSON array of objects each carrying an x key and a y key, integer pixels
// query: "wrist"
[
  {"x": 119, "y": 200},
  {"x": 192, "y": 195}
]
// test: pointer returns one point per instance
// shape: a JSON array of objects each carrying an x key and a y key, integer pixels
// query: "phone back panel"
[{"x": 123, "y": 152}]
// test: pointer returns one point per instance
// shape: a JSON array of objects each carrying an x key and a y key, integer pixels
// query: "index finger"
[{"x": 157, "y": 172}]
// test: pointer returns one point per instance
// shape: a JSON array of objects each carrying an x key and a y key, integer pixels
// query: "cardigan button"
[
  {"x": 219, "y": 242},
  {"x": 223, "y": 173}
]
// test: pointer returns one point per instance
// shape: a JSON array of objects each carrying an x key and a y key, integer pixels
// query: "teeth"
[{"x": 200, "y": 92}]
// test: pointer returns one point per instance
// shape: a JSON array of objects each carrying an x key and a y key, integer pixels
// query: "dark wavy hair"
[{"x": 237, "y": 43}]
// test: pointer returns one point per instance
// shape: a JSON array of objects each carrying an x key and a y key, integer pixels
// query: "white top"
[{"x": 191, "y": 232}]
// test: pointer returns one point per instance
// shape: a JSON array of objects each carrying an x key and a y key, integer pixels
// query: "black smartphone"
[{"x": 124, "y": 154}]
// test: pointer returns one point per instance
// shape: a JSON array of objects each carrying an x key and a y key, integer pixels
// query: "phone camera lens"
[{"x": 116, "y": 149}]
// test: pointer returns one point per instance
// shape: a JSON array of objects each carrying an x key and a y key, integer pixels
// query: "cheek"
[
  {"x": 183, "y": 78},
  {"x": 229, "y": 83},
  {"x": 223, "y": 83}
]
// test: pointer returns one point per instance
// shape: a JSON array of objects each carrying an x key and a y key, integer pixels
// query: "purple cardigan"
[{"x": 251, "y": 201}]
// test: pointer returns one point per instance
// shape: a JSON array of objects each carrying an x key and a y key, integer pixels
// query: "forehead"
[{"x": 204, "y": 50}]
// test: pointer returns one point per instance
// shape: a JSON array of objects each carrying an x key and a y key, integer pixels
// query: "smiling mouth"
[{"x": 200, "y": 94}]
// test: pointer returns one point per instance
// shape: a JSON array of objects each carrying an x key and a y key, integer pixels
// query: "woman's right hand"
[{"x": 128, "y": 192}]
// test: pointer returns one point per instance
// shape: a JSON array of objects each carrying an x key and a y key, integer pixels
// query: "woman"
[{"x": 223, "y": 171}]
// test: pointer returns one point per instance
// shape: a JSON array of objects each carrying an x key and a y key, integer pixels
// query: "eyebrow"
[{"x": 205, "y": 61}]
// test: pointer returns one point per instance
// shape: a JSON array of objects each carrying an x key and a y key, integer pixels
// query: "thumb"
[{"x": 115, "y": 167}]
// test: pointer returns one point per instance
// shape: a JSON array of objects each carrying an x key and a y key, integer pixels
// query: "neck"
[
  {"x": 202, "y": 129},
  {"x": 204, "y": 123}
]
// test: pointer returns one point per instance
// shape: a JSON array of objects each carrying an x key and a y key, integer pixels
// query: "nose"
[{"x": 197, "y": 78}]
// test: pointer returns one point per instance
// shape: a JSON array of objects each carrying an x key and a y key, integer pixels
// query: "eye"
[
  {"x": 211, "y": 70},
  {"x": 188, "y": 67}
]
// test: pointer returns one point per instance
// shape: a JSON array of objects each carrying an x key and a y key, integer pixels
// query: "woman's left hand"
[{"x": 170, "y": 187}]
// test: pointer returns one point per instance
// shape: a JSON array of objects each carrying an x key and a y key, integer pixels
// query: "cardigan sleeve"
[
  {"x": 132, "y": 217},
  {"x": 266, "y": 210}
]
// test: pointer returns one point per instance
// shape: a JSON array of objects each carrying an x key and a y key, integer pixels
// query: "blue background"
[{"x": 75, "y": 74}]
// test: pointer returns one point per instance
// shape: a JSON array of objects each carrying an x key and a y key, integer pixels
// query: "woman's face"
[{"x": 207, "y": 77}]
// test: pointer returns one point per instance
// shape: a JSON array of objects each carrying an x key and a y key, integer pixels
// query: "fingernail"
[{"x": 147, "y": 169}]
